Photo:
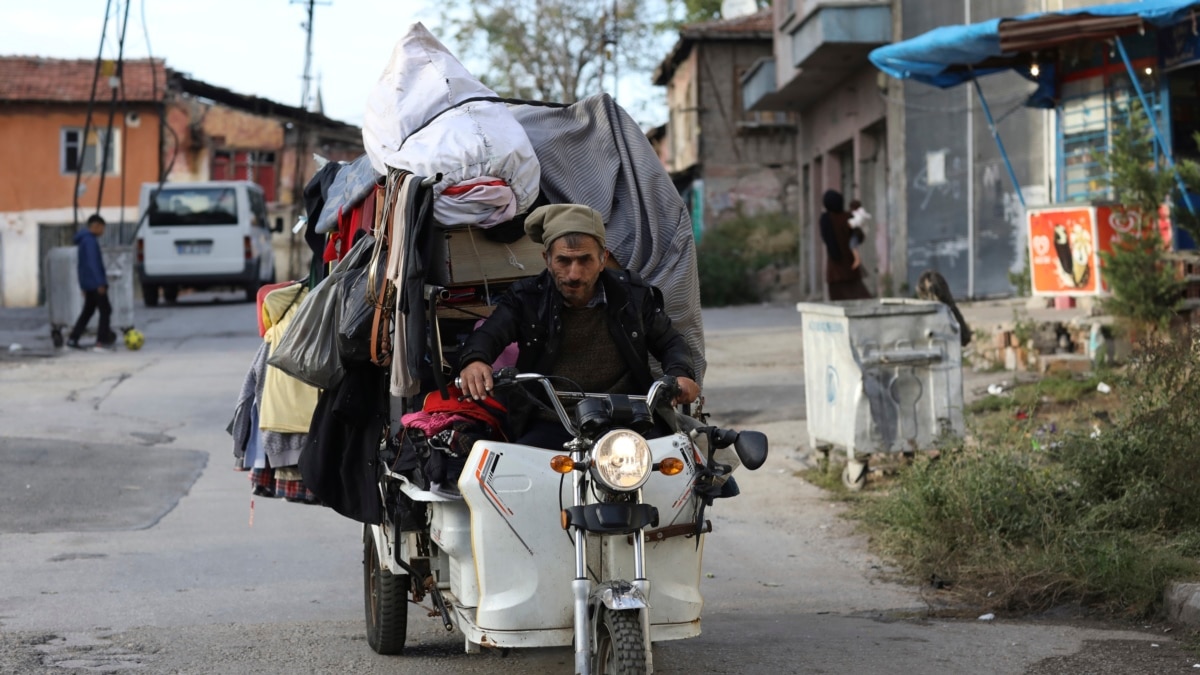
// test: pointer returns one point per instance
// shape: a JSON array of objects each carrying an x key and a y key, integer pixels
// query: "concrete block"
[
  {"x": 1039, "y": 302},
  {"x": 1182, "y": 603},
  {"x": 1064, "y": 363}
]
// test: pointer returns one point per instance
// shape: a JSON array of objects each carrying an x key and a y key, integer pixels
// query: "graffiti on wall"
[{"x": 946, "y": 184}]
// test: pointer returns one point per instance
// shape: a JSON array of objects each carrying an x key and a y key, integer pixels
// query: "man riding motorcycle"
[{"x": 579, "y": 320}]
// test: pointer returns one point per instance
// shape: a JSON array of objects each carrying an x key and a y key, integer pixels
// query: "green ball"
[{"x": 134, "y": 339}]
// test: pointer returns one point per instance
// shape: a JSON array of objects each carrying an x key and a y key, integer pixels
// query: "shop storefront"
[{"x": 1092, "y": 66}]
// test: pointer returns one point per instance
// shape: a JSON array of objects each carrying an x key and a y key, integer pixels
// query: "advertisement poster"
[
  {"x": 1062, "y": 251},
  {"x": 1113, "y": 221}
]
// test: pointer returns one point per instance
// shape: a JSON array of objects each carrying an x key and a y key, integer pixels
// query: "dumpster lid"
[{"x": 869, "y": 308}]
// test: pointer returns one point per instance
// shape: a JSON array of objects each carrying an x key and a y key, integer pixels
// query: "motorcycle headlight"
[{"x": 621, "y": 460}]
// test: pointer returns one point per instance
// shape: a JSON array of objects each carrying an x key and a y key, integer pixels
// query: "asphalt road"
[{"x": 137, "y": 548}]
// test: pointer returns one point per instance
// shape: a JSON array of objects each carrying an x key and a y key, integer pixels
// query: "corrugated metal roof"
[{"x": 45, "y": 80}]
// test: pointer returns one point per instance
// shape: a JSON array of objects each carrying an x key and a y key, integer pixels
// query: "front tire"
[
  {"x": 150, "y": 294},
  {"x": 386, "y": 598},
  {"x": 620, "y": 647}
]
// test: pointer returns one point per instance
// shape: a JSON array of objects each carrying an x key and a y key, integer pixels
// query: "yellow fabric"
[
  {"x": 287, "y": 403},
  {"x": 276, "y": 302}
]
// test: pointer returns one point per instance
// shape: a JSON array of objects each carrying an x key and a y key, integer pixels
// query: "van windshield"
[{"x": 194, "y": 206}]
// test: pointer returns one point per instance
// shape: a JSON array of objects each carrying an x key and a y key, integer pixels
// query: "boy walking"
[{"x": 94, "y": 283}]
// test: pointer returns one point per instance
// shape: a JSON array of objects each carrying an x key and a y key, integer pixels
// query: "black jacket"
[{"x": 530, "y": 314}]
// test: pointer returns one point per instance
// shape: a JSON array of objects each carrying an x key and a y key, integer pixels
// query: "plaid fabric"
[
  {"x": 283, "y": 483},
  {"x": 262, "y": 482},
  {"x": 294, "y": 491}
]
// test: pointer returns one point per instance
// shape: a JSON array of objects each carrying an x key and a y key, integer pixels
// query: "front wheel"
[
  {"x": 386, "y": 598},
  {"x": 620, "y": 647}
]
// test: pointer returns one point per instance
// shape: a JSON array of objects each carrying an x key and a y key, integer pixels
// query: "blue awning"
[{"x": 950, "y": 55}]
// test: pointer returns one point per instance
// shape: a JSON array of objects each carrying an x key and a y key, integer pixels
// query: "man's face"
[
  {"x": 97, "y": 228},
  {"x": 576, "y": 265}
]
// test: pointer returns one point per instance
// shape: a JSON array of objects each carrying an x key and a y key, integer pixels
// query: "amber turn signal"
[
  {"x": 562, "y": 464},
  {"x": 564, "y": 518},
  {"x": 670, "y": 466}
]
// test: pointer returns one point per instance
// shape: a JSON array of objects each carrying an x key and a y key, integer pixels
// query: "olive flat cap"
[{"x": 552, "y": 221}]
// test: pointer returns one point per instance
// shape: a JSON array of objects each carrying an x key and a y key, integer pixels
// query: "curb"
[{"x": 1182, "y": 603}]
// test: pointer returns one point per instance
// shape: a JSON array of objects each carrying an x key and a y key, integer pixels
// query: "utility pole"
[
  {"x": 300, "y": 134},
  {"x": 308, "y": 26},
  {"x": 613, "y": 38}
]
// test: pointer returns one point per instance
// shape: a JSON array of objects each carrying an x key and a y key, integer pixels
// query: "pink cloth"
[
  {"x": 431, "y": 423},
  {"x": 507, "y": 358}
]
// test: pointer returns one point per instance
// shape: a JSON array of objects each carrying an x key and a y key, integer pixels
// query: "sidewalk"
[{"x": 25, "y": 333}]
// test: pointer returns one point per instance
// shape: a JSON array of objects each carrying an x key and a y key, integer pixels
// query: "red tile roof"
[
  {"x": 34, "y": 78},
  {"x": 759, "y": 22}
]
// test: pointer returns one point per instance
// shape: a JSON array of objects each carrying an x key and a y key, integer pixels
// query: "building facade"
[
  {"x": 725, "y": 160},
  {"x": 61, "y": 120},
  {"x": 925, "y": 161}
]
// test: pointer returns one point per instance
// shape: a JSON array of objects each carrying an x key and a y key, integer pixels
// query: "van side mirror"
[{"x": 278, "y": 224}]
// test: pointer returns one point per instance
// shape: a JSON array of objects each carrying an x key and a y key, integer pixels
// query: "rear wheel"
[
  {"x": 620, "y": 649},
  {"x": 150, "y": 294},
  {"x": 385, "y": 595},
  {"x": 252, "y": 292},
  {"x": 171, "y": 293}
]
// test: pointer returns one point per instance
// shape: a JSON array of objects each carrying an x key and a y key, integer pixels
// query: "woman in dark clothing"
[{"x": 842, "y": 275}]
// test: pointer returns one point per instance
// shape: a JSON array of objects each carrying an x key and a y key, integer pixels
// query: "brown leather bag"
[{"x": 381, "y": 292}]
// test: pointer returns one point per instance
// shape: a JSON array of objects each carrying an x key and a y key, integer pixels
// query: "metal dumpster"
[
  {"x": 881, "y": 376},
  {"x": 64, "y": 299}
]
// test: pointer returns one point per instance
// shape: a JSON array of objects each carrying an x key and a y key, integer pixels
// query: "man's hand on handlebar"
[
  {"x": 688, "y": 391},
  {"x": 476, "y": 380}
]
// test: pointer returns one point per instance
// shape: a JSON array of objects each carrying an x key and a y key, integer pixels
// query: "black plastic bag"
[
  {"x": 357, "y": 312},
  {"x": 308, "y": 350}
]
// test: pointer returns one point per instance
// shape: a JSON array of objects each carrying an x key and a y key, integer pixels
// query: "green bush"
[
  {"x": 731, "y": 253},
  {"x": 1104, "y": 521}
]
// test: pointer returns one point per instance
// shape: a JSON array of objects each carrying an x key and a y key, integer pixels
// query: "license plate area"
[{"x": 193, "y": 247}]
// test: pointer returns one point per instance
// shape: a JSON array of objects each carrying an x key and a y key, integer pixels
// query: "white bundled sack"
[{"x": 416, "y": 120}]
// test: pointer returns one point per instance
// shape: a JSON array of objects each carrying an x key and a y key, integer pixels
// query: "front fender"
[
  {"x": 384, "y": 547},
  {"x": 616, "y": 595}
]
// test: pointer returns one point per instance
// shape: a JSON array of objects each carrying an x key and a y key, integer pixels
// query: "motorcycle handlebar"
[{"x": 666, "y": 386}]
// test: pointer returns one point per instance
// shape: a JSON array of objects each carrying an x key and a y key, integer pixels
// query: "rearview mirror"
[{"x": 751, "y": 448}]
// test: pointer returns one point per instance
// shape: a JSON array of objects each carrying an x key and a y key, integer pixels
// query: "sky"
[{"x": 249, "y": 46}]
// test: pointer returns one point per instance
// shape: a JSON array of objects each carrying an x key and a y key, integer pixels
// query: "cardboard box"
[
  {"x": 466, "y": 256},
  {"x": 465, "y": 311}
]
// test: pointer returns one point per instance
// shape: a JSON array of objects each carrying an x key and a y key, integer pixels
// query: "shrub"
[
  {"x": 1104, "y": 521},
  {"x": 730, "y": 253}
]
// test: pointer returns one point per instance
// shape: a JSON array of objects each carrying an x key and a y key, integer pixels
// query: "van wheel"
[
  {"x": 252, "y": 292},
  {"x": 171, "y": 293},
  {"x": 150, "y": 295}
]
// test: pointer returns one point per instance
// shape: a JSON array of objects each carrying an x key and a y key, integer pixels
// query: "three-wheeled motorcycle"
[{"x": 597, "y": 545}]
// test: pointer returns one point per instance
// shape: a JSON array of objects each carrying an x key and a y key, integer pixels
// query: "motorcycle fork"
[
  {"x": 586, "y": 620},
  {"x": 580, "y": 586}
]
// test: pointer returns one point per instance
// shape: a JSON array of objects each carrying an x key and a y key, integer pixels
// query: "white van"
[{"x": 203, "y": 235}]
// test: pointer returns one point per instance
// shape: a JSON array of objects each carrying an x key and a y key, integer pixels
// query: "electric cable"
[
  {"x": 112, "y": 108},
  {"x": 88, "y": 120},
  {"x": 163, "y": 171}
]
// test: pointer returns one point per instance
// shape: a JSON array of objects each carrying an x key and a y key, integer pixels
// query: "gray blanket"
[{"x": 593, "y": 153}]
